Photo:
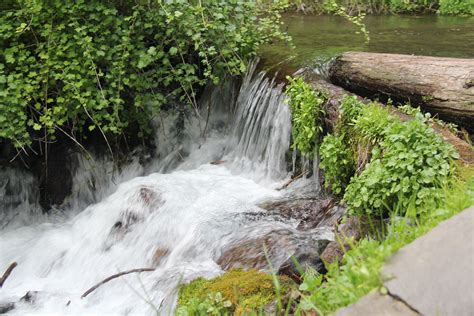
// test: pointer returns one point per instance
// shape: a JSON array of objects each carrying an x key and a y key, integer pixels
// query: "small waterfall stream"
[{"x": 178, "y": 213}]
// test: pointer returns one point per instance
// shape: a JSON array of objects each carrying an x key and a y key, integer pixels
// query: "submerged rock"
[
  {"x": 274, "y": 251},
  {"x": 309, "y": 213},
  {"x": 6, "y": 307},
  {"x": 353, "y": 229}
]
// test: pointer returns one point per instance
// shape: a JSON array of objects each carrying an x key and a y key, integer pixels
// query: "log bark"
[
  {"x": 332, "y": 108},
  {"x": 442, "y": 86}
]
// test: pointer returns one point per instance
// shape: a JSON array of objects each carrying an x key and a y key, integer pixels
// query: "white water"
[{"x": 190, "y": 213}]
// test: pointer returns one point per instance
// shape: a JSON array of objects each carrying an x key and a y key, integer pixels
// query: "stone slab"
[
  {"x": 376, "y": 304},
  {"x": 435, "y": 273}
]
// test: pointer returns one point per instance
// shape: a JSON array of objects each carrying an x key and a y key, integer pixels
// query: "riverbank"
[{"x": 442, "y": 7}]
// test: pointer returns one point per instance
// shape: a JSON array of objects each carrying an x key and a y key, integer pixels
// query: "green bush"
[
  {"x": 412, "y": 163},
  {"x": 337, "y": 163},
  {"x": 359, "y": 272},
  {"x": 307, "y": 110},
  {"x": 456, "y": 7},
  {"x": 84, "y": 65}
]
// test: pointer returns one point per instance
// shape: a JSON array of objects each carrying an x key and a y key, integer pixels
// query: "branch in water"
[
  {"x": 110, "y": 278},
  {"x": 7, "y": 273}
]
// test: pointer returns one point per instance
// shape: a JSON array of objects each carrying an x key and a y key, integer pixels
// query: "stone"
[
  {"x": 376, "y": 304},
  {"x": 310, "y": 213},
  {"x": 6, "y": 307},
  {"x": 280, "y": 246},
  {"x": 354, "y": 228},
  {"x": 435, "y": 273}
]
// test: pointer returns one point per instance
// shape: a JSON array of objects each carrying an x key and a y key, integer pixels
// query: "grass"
[{"x": 359, "y": 272}]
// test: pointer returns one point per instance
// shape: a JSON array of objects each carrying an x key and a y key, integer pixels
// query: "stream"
[{"x": 178, "y": 213}]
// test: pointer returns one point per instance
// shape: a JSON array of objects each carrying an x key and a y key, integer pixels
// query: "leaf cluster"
[
  {"x": 105, "y": 65},
  {"x": 307, "y": 114}
]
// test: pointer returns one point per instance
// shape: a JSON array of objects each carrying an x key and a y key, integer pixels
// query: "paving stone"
[
  {"x": 376, "y": 304},
  {"x": 435, "y": 274}
]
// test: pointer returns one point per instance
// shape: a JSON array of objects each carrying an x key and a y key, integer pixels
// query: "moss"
[{"x": 247, "y": 290}]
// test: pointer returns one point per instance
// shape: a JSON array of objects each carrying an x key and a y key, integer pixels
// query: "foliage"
[
  {"x": 456, "y": 7},
  {"x": 111, "y": 64},
  {"x": 444, "y": 7},
  {"x": 244, "y": 290},
  {"x": 372, "y": 122},
  {"x": 359, "y": 272},
  {"x": 337, "y": 163},
  {"x": 307, "y": 111},
  {"x": 427, "y": 118},
  {"x": 350, "y": 110},
  {"x": 358, "y": 20},
  {"x": 412, "y": 162}
]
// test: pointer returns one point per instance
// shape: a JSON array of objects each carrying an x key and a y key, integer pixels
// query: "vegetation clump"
[
  {"x": 307, "y": 115},
  {"x": 108, "y": 65},
  {"x": 235, "y": 292},
  {"x": 359, "y": 272},
  {"x": 444, "y": 7},
  {"x": 408, "y": 160}
]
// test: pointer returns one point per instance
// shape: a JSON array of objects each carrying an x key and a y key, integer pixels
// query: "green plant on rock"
[
  {"x": 337, "y": 163},
  {"x": 359, "y": 272},
  {"x": 307, "y": 115},
  {"x": 372, "y": 122},
  {"x": 108, "y": 65},
  {"x": 246, "y": 291},
  {"x": 412, "y": 163}
]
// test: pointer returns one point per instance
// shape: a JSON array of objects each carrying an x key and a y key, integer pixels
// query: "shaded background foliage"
[{"x": 76, "y": 67}]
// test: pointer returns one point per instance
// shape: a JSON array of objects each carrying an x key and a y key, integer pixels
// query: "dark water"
[{"x": 320, "y": 37}]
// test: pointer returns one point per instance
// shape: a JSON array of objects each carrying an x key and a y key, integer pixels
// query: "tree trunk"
[
  {"x": 442, "y": 86},
  {"x": 332, "y": 108}
]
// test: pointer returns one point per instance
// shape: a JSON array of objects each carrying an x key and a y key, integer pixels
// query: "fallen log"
[
  {"x": 7, "y": 273},
  {"x": 442, "y": 86},
  {"x": 110, "y": 278},
  {"x": 332, "y": 107}
]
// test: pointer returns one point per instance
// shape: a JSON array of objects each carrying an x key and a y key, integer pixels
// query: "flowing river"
[
  {"x": 177, "y": 213},
  {"x": 178, "y": 220}
]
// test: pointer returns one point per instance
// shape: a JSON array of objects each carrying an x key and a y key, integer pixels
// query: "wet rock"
[
  {"x": 6, "y": 307},
  {"x": 309, "y": 213},
  {"x": 160, "y": 255},
  {"x": 145, "y": 201},
  {"x": 353, "y": 229},
  {"x": 276, "y": 248},
  {"x": 30, "y": 297}
]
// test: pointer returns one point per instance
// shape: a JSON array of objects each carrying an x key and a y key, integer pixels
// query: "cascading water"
[{"x": 178, "y": 222}]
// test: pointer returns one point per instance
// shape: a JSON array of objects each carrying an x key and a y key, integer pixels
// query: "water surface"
[{"x": 320, "y": 37}]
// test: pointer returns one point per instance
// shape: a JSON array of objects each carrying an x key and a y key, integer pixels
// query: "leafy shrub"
[
  {"x": 245, "y": 291},
  {"x": 337, "y": 163},
  {"x": 104, "y": 64},
  {"x": 413, "y": 164},
  {"x": 307, "y": 110},
  {"x": 372, "y": 122},
  {"x": 456, "y": 7},
  {"x": 350, "y": 110},
  {"x": 359, "y": 272}
]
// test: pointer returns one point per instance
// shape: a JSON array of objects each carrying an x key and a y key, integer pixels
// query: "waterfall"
[{"x": 177, "y": 213}]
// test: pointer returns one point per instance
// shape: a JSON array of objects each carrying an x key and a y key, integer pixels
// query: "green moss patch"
[{"x": 235, "y": 292}]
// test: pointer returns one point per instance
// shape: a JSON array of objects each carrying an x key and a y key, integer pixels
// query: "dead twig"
[
  {"x": 292, "y": 180},
  {"x": 7, "y": 273},
  {"x": 110, "y": 278}
]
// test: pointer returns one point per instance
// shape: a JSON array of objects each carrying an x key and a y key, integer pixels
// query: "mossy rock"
[{"x": 237, "y": 292}]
